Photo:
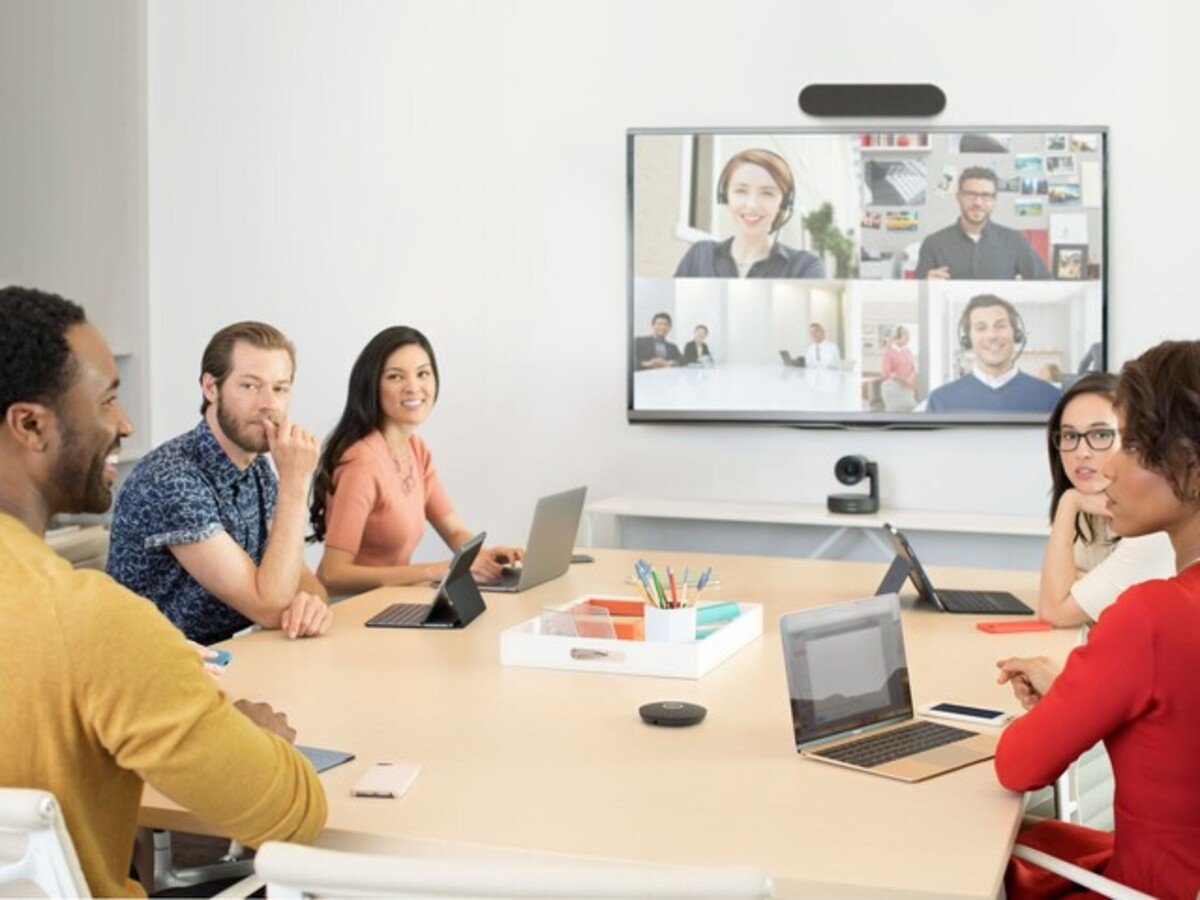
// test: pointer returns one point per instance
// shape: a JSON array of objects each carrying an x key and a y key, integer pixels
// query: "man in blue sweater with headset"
[{"x": 992, "y": 329}]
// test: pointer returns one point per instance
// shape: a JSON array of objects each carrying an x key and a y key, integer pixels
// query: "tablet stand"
[{"x": 898, "y": 573}]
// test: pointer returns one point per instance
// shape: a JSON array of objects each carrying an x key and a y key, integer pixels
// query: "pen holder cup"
[{"x": 671, "y": 626}]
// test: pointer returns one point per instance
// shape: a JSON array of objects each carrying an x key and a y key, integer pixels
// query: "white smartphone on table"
[
  {"x": 387, "y": 779},
  {"x": 960, "y": 712}
]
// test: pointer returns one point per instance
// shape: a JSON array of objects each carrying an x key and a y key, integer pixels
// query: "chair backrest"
[
  {"x": 1105, "y": 887},
  {"x": 293, "y": 871},
  {"x": 35, "y": 847}
]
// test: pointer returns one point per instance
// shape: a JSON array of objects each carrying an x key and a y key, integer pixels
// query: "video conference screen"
[{"x": 933, "y": 277}]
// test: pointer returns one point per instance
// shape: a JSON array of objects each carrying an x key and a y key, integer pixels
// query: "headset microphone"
[{"x": 1020, "y": 335}]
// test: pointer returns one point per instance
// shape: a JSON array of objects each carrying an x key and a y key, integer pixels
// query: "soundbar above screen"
[{"x": 856, "y": 276}]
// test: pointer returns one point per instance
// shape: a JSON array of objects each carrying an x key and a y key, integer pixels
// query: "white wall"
[
  {"x": 72, "y": 167},
  {"x": 337, "y": 166}
]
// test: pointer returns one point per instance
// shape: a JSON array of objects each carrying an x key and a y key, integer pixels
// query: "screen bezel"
[{"x": 848, "y": 419}]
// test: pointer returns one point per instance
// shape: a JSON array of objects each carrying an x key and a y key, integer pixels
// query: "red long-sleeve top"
[{"x": 1136, "y": 686}]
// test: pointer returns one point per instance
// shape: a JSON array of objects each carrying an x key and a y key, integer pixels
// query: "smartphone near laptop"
[
  {"x": 551, "y": 540},
  {"x": 850, "y": 698},
  {"x": 456, "y": 604},
  {"x": 906, "y": 566},
  {"x": 960, "y": 712}
]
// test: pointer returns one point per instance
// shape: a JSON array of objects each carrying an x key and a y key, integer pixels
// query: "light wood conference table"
[{"x": 520, "y": 761}]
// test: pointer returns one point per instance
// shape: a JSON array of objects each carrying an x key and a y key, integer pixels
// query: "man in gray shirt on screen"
[{"x": 975, "y": 247}]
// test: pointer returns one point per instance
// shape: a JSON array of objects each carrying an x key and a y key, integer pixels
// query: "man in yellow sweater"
[{"x": 100, "y": 693}]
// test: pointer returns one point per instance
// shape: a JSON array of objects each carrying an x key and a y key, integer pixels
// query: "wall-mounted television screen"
[{"x": 857, "y": 276}]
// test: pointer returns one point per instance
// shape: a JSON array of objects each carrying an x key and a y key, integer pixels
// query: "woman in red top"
[
  {"x": 376, "y": 485},
  {"x": 1134, "y": 685}
]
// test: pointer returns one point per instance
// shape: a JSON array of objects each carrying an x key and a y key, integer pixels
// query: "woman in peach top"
[{"x": 376, "y": 485}]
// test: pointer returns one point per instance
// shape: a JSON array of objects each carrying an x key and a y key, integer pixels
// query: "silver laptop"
[
  {"x": 850, "y": 698},
  {"x": 551, "y": 540}
]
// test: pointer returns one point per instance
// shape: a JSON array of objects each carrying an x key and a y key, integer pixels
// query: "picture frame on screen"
[{"x": 856, "y": 276}]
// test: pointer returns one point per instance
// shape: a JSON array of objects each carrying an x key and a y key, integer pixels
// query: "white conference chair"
[
  {"x": 35, "y": 848},
  {"x": 154, "y": 862},
  {"x": 293, "y": 871},
  {"x": 1105, "y": 887}
]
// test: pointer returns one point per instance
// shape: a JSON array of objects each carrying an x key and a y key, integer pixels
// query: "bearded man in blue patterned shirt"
[{"x": 203, "y": 526}]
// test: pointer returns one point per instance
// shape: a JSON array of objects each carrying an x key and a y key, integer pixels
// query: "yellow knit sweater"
[{"x": 99, "y": 693}]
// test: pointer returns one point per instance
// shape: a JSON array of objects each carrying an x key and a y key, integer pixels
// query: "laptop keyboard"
[
  {"x": 982, "y": 602},
  {"x": 877, "y": 749},
  {"x": 401, "y": 614},
  {"x": 508, "y": 580}
]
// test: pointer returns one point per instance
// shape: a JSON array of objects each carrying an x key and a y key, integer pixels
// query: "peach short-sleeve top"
[{"x": 378, "y": 507}]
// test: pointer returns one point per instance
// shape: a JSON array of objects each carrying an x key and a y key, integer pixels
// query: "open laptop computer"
[
  {"x": 906, "y": 566},
  {"x": 456, "y": 604},
  {"x": 551, "y": 540},
  {"x": 851, "y": 704},
  {"x": 789, "y": 360}
]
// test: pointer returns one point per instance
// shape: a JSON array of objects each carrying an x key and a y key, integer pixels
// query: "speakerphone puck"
[{"x": 673, "y": 712}]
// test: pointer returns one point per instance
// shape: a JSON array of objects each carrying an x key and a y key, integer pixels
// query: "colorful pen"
[
  {"x": 646, "y": 594},
  {"x": 647, "y": 588},
  {"x": 658, "y": 584}
]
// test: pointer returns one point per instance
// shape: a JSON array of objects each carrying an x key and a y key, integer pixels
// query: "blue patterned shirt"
[{"x": 184, "y": 492}]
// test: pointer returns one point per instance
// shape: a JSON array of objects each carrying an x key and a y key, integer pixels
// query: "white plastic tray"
[{"x": 525, "y": 645}]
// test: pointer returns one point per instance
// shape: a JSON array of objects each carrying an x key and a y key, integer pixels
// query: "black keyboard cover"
[
  {"x": 983, "y": 603},
  {"x": 400, "y": 615}
]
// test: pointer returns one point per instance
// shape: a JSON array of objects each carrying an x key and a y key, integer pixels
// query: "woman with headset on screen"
[
  {"x": 1133, "y": 684},
  {"x": 1087, "y": 566},
  {"x": 376, "y": 485},
  {"x": 759, "y": 191}
]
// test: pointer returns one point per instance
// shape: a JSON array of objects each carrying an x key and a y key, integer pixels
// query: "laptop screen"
[{"x": 846, "y": 667}]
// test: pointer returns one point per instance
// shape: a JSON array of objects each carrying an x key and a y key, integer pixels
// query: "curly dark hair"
[
  {"x": 1158, "y": 395},
  {"x": 36, "y": 364}
]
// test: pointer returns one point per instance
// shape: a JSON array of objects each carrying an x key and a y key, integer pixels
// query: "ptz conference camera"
[{"x": 851, "y": 470}]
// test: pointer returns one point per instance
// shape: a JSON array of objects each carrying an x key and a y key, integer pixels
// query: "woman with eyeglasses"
[
  {"x": 1087, "y": 566},
  {"x": 1133, "y": 685}
]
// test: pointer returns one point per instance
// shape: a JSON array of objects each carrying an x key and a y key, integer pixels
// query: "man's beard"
[
  {"x": 243, "y": 437},
  {"x": 80, "y": 477}
]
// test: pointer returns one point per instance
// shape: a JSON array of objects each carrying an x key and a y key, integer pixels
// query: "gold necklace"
[{"x": 406, "y": 469}]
